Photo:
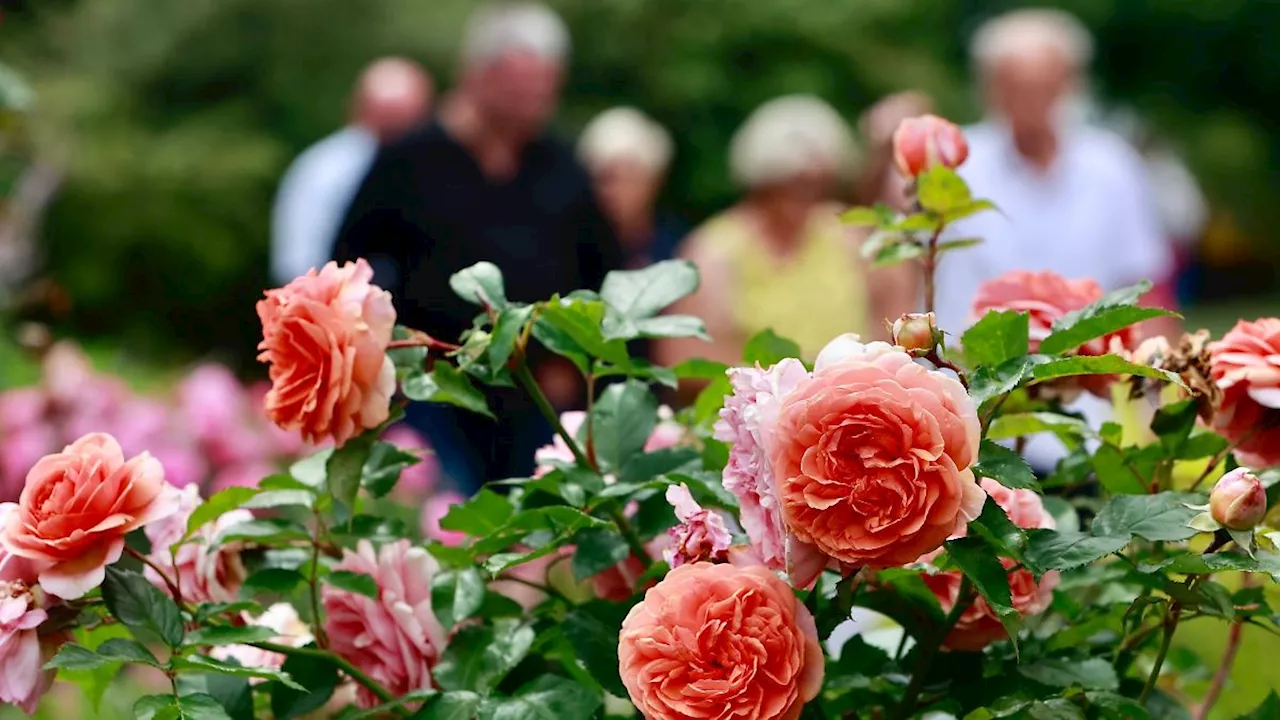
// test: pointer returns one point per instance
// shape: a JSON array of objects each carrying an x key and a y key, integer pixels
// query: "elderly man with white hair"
[
  {"x": 627, "y": 154},
  {"x": 391, "y": 96},
  {"x": 487, "y": 182},
  {"x": 1073, "y": 198},
  {"x": 781, "y": 259}
]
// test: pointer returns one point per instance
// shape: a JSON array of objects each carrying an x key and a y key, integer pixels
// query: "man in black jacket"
[{"x": 486, "y": 182}]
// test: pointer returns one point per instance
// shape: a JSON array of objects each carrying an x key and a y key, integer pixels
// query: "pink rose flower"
[
  {"x": 1024, "y": 507},
  {"x": 720, "y": 641},
  {"x": 395, "y": 638},
  {"x": 1238, "y": 500},
  {"x": 76, "y": 509},
  {"x": 24, "y": 681},
  {"x": 416, "y": 480},
  {"x": 325, "y": 336},
  {"x": 1046, "y": 297},
  {"x": 289, "y": 628},
  {"x": 204, "y": 573},
  {"x": 871, "y": 456},
  {"x": 926, "y": 141},
  {"x": 701, "y": 534},
  {"x": 979, "y": 625},
  {"x": 19, "y": 450},
  {"x": 1245, "y": 364},
  {"x": 20, "y": 408},
  {"x": 245, "y": 474},
  {"x": 433, "y": 511}
]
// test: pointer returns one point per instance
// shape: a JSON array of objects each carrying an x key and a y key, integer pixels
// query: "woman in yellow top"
[{"x": 781, "y": 259}]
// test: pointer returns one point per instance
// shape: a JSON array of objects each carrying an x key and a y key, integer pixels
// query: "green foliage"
[{"x": 148, "y": 613}]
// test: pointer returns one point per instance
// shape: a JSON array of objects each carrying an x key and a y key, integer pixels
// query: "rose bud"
[
  {"x": 1238, "y": 501},
  {"x": 916, "y": 333},
  {"x": 923, "y": 142}
]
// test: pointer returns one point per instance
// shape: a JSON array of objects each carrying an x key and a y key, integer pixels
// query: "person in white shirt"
[
  {"x": 1073, "y": 198},
  {"x": 392, "y": 96}
]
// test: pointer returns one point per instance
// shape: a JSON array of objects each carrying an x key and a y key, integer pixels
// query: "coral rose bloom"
[
  {"x": 1245, "y": 364},
  {"x": 920, "y": 143},
  {"x": 872, "y": 458},
  {"x": 325, "y": 336},
  {"x": 979, "y": 625},
  {"x": 77, "y": 507},
  {"x": 720, "y": 641}
]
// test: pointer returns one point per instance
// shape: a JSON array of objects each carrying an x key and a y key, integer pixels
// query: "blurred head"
[
  {"x": 392, "y": 95},
  {"x": 627, "y": 154},
  {"x": 1030, "y": 63},
  {"x": 513, "y": 56},
  {"x": 791, "y": 152}
]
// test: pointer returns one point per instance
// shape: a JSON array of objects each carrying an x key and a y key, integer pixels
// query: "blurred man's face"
[
  {"x": 626, "y": 190},
  {"x": 1029, "y": 92},
  {"x": 520, "y": 90},
  {"x": 392, "y": 116}
]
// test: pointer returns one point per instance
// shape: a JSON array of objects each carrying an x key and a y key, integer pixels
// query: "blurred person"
[
  {"x": 628, "y": 154},
  {"x": 391, "y": 96},
  {"x": 781, "y": 259},
  {"x": 879, "y": 181},
  {"x": 1073, "y": 198},
  {"x": 486, "y": 181}
]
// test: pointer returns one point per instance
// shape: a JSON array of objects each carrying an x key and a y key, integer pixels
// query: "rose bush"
[{"x": 749, "y": 556}]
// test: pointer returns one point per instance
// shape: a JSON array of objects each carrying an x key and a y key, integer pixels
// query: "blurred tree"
[{"x": 173, "y": 120}]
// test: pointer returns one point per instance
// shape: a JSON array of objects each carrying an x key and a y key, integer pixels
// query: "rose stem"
[
  {"x": 928, "y": 650},
  {"x": 173, "y": 588},
  {"x": 351, "y": 670},
  {"x": 1228, "y": 658}
]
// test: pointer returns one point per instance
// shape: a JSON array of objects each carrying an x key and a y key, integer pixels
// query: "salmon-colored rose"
[
  {"x": 325, "y": 336},
  {"x": 720, "y": 641},
  {"x": 979, "y": 625},
  {"x": 872, "y": 455},
  {"x": 922, "y": 142},
  {"x": 1046, "y": 297},
  {"x": 1245, "y": 365},
  {"x": 77, "y": 507}
]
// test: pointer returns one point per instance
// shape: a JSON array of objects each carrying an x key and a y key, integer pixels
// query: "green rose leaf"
[
  {"x": 1161, "y": 517},
  {"x": 456, "y": 705},
  {"x": 1268, "y": 710},
  {"x": 140, "y": 606},
  {"x": 767, "y": 348},
  {"x": 1099, "y": 365},
  {"x": 671, "y": 326},
  {"x": 506, "y": 330},
  {"x": 1116, "y": 471},
  {"x": 75, "y": 657},
  {"x": 1112, "y": 312},
  {"x": 272, "y": 580},
  {"x": 892, "y": 252},
  {"x": 646, "y": 466},
  {"x": 700, "y": 369},
  {"x": 995, "y": 527},
  {"x": 447, "y": 385},
  {"x": 480, "y": 284},
  {"x": 1053, "y": 550},
  {"x": 268, "y": 531},
  {"x": 597, "y": 551},
  {"x": 229, "y": 635},
  {"x": 480, "y": 516},
  {"x": 199, "y": 706},
  {"x": 479, "y": 656},
  {"x": 940, "y": 190},
  {"x": 548, "y": 698},
  {"x": 457, "y": 595},
  {"x": 639, "y": 294},
  {"x": 592, "y": 630},
  {"x": 979, "y": 562},
  {"x": 1070, "y": 430},
  {"x": 973, "y": 208},
  {"x": 383, "y": 467},
  {"x": 868, "y": 216},
  {"x": 318, "y": 678},
  {"x": 346, "y": 467},
  {"x": 988, "y": 383},
  {"x": 206, "y": 664},
  {"x": 358, "y": 583},
  {"x": 232, "y": 693},
  {"x": 1090, "y": 674},
  {"x": 217, "y": 505},
  {"x": 156, "y": 707},
  {"x": 623, "y": 417},
  {"x": 1005, "y": 466},
  {"x": 996, "y": 338}
]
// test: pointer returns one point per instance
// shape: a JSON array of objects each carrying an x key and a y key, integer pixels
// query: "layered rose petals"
[
  {"x": 979, "y": 625},
  {"x": 76, "y": 508},
  {"x": 872, "y": 455},
  {"x": 1245, "y": 365},
  {"x": 720, "y": 641},
  {"x": 325, "y": 336}
]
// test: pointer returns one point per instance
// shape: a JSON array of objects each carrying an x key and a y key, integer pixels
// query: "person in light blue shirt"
[{"x": 392, "y": 96}]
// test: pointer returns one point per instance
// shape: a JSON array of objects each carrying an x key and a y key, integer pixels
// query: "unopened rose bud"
[
  {"x": 917, "y": 333},
  {"x": 1238, "y": 501},
  {"x": 923, "y": 142}
]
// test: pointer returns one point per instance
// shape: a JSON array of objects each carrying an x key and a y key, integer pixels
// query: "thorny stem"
[
  {"x": 169, "y": 583},
  {"x": 418, "y": 338},
  {"x": 1224, "y": 669},
  {"x": 929, "y": 650},
  {"x": 547, "y": 589},
  {"x": 351, "y": 670},
  {"x": 931, "y": 267}
]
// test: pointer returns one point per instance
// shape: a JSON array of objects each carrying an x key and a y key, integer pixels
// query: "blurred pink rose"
[
  {"x": 979, "y": 625},
  {"x": 67, "y": 373},
  {"x": 19, "y": 450},
  {"x": 245, "y": 474},
  {"x": 76, "y": 509},
  {"x": 436, "y": 507},
  {"x": 872, "y": 455},
  {"x": 927, "y": 141},
  {"x": 701, "y": 534},
  {"x": 1245, "y": 364},
  {"x": 667, "y": 433},
  {"x": 24, "y": 681},
  {"x": 416, "y": 480},
  {"x": 720, "y": 641},
  {"x": 182, "y": 466},
  {"x": 745, "y": 423},
  {"x": 395, "y": 638},
  {"x": 212, "y": 400},
  {"x": 1024, "y": 507},
  {"x": 204, "y": 573},
  {"x": 20, "y": 408},
  {"x": 618, "y": 583},
  {"x": 325, "y": 337},
  {"x": 290, "y": 631}
]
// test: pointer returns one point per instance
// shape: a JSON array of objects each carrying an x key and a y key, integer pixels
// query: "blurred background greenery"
[{"x": 172, "y": 121}]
